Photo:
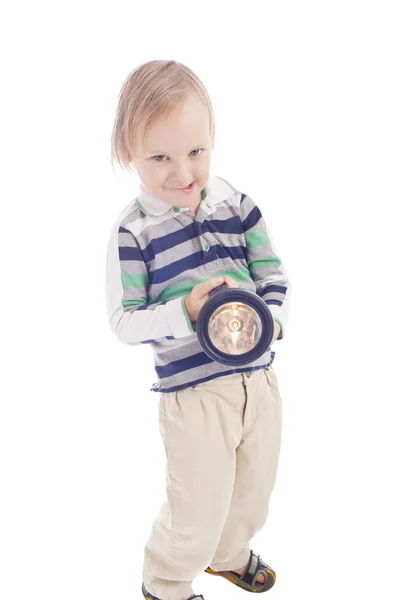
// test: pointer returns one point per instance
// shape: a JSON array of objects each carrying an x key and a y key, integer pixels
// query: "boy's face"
[{"x": 176, "y": 153}]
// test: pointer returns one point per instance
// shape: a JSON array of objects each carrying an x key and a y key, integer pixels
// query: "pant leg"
[
  {"x": 201, "y": 429},
  {"x": 256, "y": 468}
]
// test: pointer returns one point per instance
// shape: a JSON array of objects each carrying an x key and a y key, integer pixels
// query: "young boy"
[{"x": 183, "y": 235}]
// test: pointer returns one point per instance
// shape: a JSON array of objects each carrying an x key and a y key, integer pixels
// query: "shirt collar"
[{"x": 216, "y": 190}]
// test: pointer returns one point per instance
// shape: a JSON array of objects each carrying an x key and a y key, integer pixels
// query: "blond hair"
[{"x": 152, "y": 90}]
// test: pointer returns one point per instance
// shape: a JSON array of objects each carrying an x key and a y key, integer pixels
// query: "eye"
[
  {"x": 159, "y": 157},
  {"x": 198, "y": 150}
]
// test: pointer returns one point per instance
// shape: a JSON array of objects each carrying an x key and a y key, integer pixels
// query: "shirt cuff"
[{"x": 178, "y": 318}]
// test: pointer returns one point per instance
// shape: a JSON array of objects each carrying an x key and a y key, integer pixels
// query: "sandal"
[
  {"x": 247, "y": 580},
  {"x": 149, "y": 596}
]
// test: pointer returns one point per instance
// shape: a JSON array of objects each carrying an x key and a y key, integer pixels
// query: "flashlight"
[{"x": 235, "y": 326}]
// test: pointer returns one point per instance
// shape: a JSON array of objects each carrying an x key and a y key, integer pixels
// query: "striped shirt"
[{"x": 157, "y": 253}]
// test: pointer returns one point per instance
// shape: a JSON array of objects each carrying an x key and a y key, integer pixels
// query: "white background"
[{"x": 306, "y": 99}]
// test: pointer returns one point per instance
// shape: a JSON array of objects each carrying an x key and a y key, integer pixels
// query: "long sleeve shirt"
[{"x": 157, "y": 253}]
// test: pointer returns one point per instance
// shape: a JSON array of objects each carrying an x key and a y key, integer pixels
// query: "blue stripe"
[
  {"x": 280, "y": 289},
  {"x": 183, "y": 364},
  {"x": 276, "y": 302},
  {"x": 129, "y": 253},
  {"x": 210, "y": 377},
  {"x": 123, "y": 230},
  {"x": 170, "y": 271},
  {"x": 170, "y": 240},
  {"x": 232, "y": 225},
  {"x": 234, "y": 252},
  {"x": 252, "y": 218}
]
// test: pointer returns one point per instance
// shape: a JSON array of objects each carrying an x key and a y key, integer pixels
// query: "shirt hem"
[{"x": 189, "y": 384}]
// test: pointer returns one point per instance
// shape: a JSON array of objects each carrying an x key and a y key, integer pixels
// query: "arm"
[
  {"x": 132, "y": 318},
  {"x": 267, "y": 271}
]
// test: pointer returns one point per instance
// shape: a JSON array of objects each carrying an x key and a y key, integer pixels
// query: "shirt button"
[
  {"x": 176, "y": 209},
  {"x": 206, "y": 247}
]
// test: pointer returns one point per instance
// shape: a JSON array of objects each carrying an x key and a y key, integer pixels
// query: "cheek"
[
  {"x": 155, "y": 176},
  {"x": 202, "y": 168}
]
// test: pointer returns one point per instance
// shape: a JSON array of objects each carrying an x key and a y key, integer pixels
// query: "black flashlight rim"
[{"x": 252, "y": 300}]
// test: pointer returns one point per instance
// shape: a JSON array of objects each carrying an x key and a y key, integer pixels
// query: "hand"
[
  {"x": 277, "y": 330},
  {"x": 231, "y": 282},
  {"x": 199, "y": 294}
]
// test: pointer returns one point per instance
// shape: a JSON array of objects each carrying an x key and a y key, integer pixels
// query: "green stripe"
[
  {"x": 130, "y": 280},
  {"x": 133, "y": 302},
  {"x": 227, "y": 182},
  {"x": 143, "y": 209},
  {"x": 175, "y": 291},
  {"x": 272, "y": 261},
  {"x": 184, "y": 289},
  {"x": 257, "y": 238},
  {"x": 238, "y": 275}
]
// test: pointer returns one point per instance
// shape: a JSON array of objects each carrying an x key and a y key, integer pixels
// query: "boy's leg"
[
  {"x": 201, "y": 428},
  {"x": 256, "y": 468}
]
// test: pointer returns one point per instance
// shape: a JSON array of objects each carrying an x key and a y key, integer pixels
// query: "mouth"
[{"x": 188, "y": 188}]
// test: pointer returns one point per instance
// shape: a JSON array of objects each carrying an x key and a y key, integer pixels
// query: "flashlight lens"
[{"x": 235, "y": 328}]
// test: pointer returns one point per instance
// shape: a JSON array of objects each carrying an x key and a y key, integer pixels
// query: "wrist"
[{"x": 189, "y": 309}]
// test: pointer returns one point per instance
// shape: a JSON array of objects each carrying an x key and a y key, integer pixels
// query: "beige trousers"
[{"x": 222, "y": 441}]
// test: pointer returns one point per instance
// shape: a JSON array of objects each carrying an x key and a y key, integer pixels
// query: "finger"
[
  {"x": 209, "y": 285},
  {"x": 231, "y": 282}
]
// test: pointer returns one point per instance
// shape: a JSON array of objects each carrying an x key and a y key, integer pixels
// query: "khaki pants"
[{"x": 222, "y": 441}]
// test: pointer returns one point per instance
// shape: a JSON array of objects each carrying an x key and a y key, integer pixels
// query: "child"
[{"x": 183, "y": 235}]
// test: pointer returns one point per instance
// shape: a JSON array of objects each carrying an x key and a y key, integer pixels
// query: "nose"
[{"x": 181, "y": 174}]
